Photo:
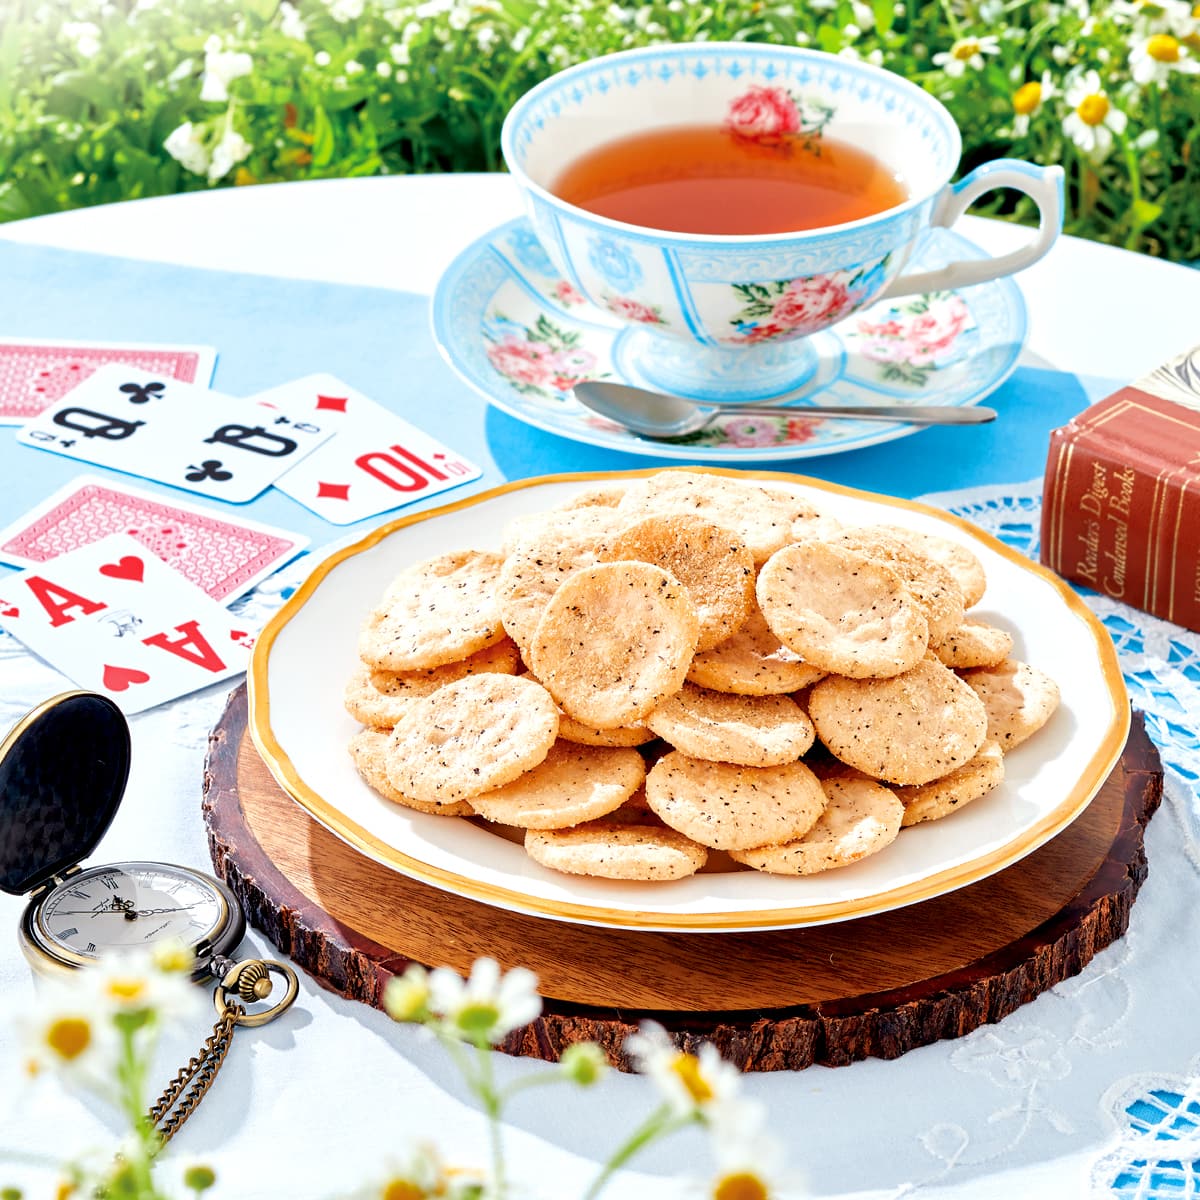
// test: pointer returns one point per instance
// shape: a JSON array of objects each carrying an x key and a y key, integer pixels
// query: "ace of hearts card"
[
  {"x": 150, "y": 425},
  {"x": 117, "y": 620}
]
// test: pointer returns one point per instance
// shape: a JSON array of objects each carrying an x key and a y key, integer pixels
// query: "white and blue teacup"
[{"x": 727, "y": 317}]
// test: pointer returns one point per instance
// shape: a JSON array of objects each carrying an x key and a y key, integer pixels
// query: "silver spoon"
[{"x": 655, "y": 415}]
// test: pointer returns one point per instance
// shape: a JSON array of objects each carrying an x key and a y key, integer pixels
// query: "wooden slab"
[{"x": 877, "y": 986}]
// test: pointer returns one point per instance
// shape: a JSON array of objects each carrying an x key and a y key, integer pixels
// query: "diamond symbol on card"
[
  {"x": 333, "y": 491},
  {"x": 332, "y": 403}
]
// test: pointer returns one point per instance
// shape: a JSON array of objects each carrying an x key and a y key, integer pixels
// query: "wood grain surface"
[{"x": 783, "y": 999}]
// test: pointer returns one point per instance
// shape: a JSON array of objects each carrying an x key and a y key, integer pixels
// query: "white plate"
[{"x": 308, "y": 651}]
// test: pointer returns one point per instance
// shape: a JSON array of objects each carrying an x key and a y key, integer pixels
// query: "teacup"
[{"x": 683, "y": 297}]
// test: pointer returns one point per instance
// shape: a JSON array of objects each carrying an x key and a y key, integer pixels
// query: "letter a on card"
[{"x": 192, "y": 646}]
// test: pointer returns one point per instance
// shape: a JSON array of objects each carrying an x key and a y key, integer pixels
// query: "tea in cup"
[{"x": 725, "y": 201}]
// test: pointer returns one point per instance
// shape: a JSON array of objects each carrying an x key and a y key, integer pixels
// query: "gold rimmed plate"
[{"x": 308, "y": 651}]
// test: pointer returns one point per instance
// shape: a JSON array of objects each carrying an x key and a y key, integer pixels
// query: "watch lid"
[{"x": 63, "y": 769}]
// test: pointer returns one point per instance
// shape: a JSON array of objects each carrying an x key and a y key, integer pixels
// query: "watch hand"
[{"x": 147, "y": 912}]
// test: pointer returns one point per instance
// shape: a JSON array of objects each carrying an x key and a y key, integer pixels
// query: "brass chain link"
[{"x": 176, "y": 1104}]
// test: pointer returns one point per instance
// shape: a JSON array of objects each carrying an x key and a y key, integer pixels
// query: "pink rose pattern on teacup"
[
  {"x": 744, "y": 433},
  {"x": 916, "y": 337},
  {"x": 566, "y": 294},
  {"x": 792, "y": 308},
  {"x": 772, "y": 116},
  {"x": 629, "y": 309},
  {"x": 540, "y": 360}
]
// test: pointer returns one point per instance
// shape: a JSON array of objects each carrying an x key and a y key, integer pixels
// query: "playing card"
[
  {"x": 37, "y": 372},
  {"x": 223, "y": 556},
  {"x": 377, "y": 461},
  {"x": 117, "y": 620},
  {"x": 176, "y": 433}
]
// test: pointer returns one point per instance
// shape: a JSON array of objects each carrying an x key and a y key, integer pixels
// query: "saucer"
[{"x": 522, "y": 336}]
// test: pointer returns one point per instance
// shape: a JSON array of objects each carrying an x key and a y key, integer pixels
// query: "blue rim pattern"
[{"x": 471, "y": 282}]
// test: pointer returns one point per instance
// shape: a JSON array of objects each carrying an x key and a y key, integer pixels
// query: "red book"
[{"x": 1121, "y": 503}]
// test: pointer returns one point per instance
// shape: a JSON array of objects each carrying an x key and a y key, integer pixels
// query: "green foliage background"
[{"x": 91, "y": 89}]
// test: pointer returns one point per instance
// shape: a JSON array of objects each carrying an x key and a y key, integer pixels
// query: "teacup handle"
[{"x": 1043, "y": 184}]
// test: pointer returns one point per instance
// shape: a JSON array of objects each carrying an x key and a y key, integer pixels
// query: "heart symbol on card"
[
  {"x": 120, "y": 679},
  {"x": 129, "y": 567},
  {"x": 9, "y": 610},
  {"x": 241, "y": 637}
]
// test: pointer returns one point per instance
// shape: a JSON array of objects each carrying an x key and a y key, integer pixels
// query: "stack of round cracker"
[{"x": 691, "y": 662}]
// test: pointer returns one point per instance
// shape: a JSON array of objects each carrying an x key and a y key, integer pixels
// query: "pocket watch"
[{"x": 63, "y": 770}]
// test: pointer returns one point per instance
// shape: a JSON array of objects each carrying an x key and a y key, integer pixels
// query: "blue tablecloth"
[{"x": 270, "y": 330}]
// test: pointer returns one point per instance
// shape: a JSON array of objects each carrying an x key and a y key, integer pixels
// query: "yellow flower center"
[
  {"x": 740, "y": 1186},
  {"x": 1093, "y": 109},
  {"x": 1162, "y": 47},
  {"x": 1027, "y": 98},
  {"x": 65, "y": 1190},
  {"x": 126, "y": 991},
  {"x": 687, "y": 1069},
  {"x": 402, "y": 1189},
  {"x": 964, "y": 50},
  {"x": 1196, "y": 11},
  {"x": 69, "y": 1037}
]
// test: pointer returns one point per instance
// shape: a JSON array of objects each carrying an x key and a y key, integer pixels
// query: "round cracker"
[
  {"x": 601, "y": 495},
  {"x": 615, "y": 641},
  {"x": 712, "y": 562},
  {"x": 975, "y": 644},
  {"x": 761, "y": 515},
  {"x": 572, "y": 784},
  {"x": 842, "y": 611},
  {"x": 369, "y": 749},
  {"x": 932, "y": 586},
  {"x": 908, "y": 729},
  {"x": 937, "y": 799},
  {"x": 958, "y": 559},
  {"x": 753, "y": 662},
  {"x": 755, "y": 731},
  {"x": 730, "y": 807},
  {"x": 549, "y": 548},
  {"x": 435, "y": 612},
  {"x": 861, "y": 817},
  {"x": 471, "y": 736},
  {"x": 612, "y": 851},
  {"x": 1019, "y": 700},
  {"x": 379, "y": 698}
]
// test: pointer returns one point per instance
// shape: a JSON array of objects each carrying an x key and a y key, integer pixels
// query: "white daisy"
[
  {"x": 487, "y": 1005},
  {"x": 135, "y": 983},
  {"x": 186, "y": 145},
  {"x": 221, "y": 68},
  {"x": 1153, "y": 59},
  {"x": 1093, "y": 120},
  {"x": 1028, "y": 99},
  {"x": 702, "y": 1084},
  {"x": 65, "y": 1034},
  {"x": 966, "y": 52},
  {"x": 406, "y": 997}
]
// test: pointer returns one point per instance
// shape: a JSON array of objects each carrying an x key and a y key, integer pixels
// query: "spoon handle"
[{"x": 913, "y": 414}]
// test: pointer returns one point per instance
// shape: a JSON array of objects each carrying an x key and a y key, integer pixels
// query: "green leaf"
[
  {"x": 323, "y": 140},
  {"x": 1144, "y": 212},
  {"x": 885, "y": 14}
]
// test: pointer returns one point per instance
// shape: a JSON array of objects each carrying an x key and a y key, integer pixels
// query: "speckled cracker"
[
  {"x": 1019, "y": 700},
  {"x": 975, "y": 644},
  {"x": 600, "y": 495},
  {"x": 755, "y": 731},
  {"x": 712, "y": 562},
  {"x": 753, "y": 662},
  {"x": 958, "y": 559},
  {"x": 932, "y": 586},
  {"x": 369, "y": 749},
  {"x": 470, "y": 736},
  {"x": 842, "y": 611},
  {"x": 612, "y": 851},
  {"x": 435, "y": 612},
  {"x": 729, "y": 807},
  {"x": 546, "y": 551},
  {"x": 572, "y": 784},
  {"x": 378, "y": 698},
  {"x": 614, "y": 642},
  {"x": 939, "y": 798},
  {"x": 861, "y": 817},
  {"x": 762, "y": 516},
  {"x": 908, "y": 729}
]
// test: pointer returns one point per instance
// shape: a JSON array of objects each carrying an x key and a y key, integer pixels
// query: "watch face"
[{"x": 133, "y": 904}]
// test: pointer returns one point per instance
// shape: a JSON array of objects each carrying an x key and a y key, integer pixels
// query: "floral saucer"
[{"x": 521, "y": 335}]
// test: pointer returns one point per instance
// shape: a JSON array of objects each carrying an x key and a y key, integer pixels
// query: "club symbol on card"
[
  {"x": 120, "y": 679},
  {"x": 140, "y": 393},
  {"x": 122, "y": 622},
  {"x": 130, "y": 567},
  {"x": 210, "y": 468}
]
